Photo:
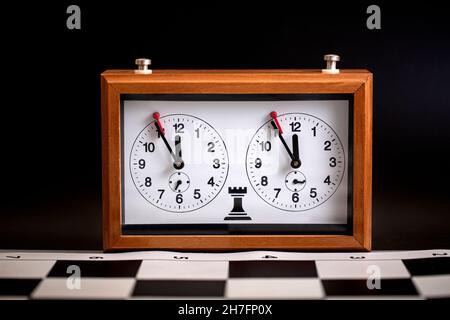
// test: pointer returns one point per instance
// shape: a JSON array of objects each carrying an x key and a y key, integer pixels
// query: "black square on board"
[
  {"x": 179, "y": 288},
  {"x": 17, "y": 287},
  {"x": 100, "y": 269},
  {"x": 428, "y": 266},
  {"x": 388, "y": 287},
  {"x": 272, "y": 269}
]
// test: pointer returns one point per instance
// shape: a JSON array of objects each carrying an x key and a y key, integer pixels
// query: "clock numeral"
[
  {"x": 313, "y": 193},
  {"x": 211, "y": 146},
  {"x": 197, "y": 131},
  {"x": 148, "y": 182},
  {"x": 327, "y": 145},
  {"x": 277, "y": 190},
  {"x": 314, "y": 130},
  {"x": 179, "y": 198},
  {"x": 332, "y": 162},
  {"x": 216, "y": 164},
  {"x": 149, "y": 147},
  {"x": 161, "y": 191},
  {"x": 141, "y": 164},
  {"x": 258, "y": 163},
  {"x": 264, "y": 181},
  {"x": 197, "y": 194},
  {"x": 179, "y": 127},
  {"x": 295, "y": 126},
  {"x": 327, "y": 180},
  {"x": 295, "y": 197},
  {"x": 265, "y": 146},
  {"x": 211, "y": 182}
]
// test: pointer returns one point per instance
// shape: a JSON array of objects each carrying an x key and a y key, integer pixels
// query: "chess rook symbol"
[{"x": 238, "y": 212}]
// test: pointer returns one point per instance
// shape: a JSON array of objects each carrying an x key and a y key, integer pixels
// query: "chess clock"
[{"x": 220, "y": 160}]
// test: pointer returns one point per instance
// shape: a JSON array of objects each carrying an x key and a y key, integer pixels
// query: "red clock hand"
[
  {"x": 274, "y": 116},
  {"x": 295, "y": 163},
  {"x": 156, "y": 117},
  {"x": 178, "y": 162}
]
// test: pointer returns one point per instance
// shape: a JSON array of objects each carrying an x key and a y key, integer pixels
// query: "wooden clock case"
[{"x": 355, "y": 82}]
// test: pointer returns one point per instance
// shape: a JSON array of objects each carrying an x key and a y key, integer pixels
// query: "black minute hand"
[
  {"x": 177, "y": 163},
  {"x": 161, "y": 134},
  {"x": 294, "y": 162}
]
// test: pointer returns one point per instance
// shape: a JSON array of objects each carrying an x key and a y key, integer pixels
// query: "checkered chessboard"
[{"x": 241, "y": 275}]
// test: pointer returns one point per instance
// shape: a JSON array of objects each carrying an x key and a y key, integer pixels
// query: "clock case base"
[{"x": 355, "y": 83}]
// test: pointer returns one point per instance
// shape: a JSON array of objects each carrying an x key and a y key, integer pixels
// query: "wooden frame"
[{"x": 355, "y": 82}]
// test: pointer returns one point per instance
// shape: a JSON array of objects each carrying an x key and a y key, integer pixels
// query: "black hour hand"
[
  {"x": 295, "y": 163},
  {"x": 178, "y": 155}
]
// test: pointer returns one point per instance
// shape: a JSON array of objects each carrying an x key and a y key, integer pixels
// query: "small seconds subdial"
[
  {"x": 295, "y": 161},
  {"x": 178, "y": 163},
  {"x": 179, "y": 182}
]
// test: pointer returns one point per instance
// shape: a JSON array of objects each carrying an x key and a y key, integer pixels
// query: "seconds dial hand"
[
  {"x": 178, "y": 162},
  {"x": 179, "y": 182},
  {"x": 295, "y": 162}
]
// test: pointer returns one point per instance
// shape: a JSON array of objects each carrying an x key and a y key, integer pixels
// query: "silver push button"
[
  {"x": 331, "y": 60},
  {"x": 142, "y": 64}
]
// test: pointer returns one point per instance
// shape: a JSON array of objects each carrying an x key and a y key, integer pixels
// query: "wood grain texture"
[
  {"x": 362, "y": 165},
  {"x": 356, "y": 82}
]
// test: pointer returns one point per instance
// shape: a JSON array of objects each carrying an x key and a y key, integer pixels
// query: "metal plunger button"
[
  {"x": 331, "y": 60},
  {"x": 142, "y": 64}
]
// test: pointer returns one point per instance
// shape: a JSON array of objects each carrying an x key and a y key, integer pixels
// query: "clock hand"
[
  {"x": 179, "y": 160},
  {"x": 274, "y": 116},
  {"x": 177, "y": 164},
  {"x": 283, "y": 141},
  {"x": 295, "y": 181},
  {"x": 158, "y": 123},
  {"x": 179, "y": 182},
  {"x": 295, "y": 163}
]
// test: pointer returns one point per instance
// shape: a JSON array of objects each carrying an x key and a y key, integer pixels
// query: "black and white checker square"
[
  {"x": 430, "y": 276},
  {"x": 245, "y": 275},
  {"x": 99, "y": 279}
]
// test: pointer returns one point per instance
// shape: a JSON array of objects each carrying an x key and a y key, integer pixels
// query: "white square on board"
[
  {"x": 433, "y": 286},
  {"x": 21, "y": 269},
  {"x": 183, "y": 270},
  {"x": 389, "y": 269},
  {"x": 91, "y": 288},
  {"x": 286, "y": 288}
]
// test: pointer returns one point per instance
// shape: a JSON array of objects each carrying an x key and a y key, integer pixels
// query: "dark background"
[{"x": 50, "y": 128}]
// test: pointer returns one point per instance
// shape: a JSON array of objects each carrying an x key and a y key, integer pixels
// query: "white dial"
[
  {"x": 184, "y": 168},
  {"x": 298, "y": 169}
]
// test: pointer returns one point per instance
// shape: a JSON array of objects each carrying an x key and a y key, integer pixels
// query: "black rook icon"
[{"x": 238, "y": 212}]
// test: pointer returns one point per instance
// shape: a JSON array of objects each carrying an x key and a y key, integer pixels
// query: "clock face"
[
  {"x": 178, "y": 163},
  {"x": 221, "y": 161},
  {"x": 295, "y": 162}
]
